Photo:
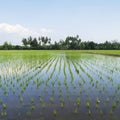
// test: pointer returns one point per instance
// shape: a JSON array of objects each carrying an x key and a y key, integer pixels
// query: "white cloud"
[
  {"x": 15, "y": 32},
  {"x": 17, "y": 28}
]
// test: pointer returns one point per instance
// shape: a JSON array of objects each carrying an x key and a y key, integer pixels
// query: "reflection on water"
[{"x": 59, "y": 86}]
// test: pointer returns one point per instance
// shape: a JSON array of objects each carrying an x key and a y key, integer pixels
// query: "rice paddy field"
[{"x": 59, "y": 85}]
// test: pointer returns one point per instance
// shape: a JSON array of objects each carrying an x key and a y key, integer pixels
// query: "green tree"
[
  {"x": 73, "y": 42},
  {"x": 30, "y": 40},
  {"x": 25, "y": 42},
  {"x": 7, "y": 46},
  {"x": 34, "y": 43},
  {"x": 39, "y": 39}
]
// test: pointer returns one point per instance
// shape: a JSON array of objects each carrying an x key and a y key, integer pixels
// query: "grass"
[
  {"x": 32, "y": 107},
  {"x": 62, "y": 105},
  {"x": 78, "y": 101},
  {"x": 106, "y": 52},
  {"x": 54, "y": 113},
  {"x": 75, "y": 111},
  {"x": 48, "y": 52},
  {"x": 88, "y": 104},
  {"x": 4, "y": 114},
  {"x": 114, "y": 105},
  {"x": 4, "y": 106}
]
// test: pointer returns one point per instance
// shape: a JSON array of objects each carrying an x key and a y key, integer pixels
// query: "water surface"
[{"x": 59, "y": 86}]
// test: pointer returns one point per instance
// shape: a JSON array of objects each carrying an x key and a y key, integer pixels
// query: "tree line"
[{"x": 70, "y": 43}]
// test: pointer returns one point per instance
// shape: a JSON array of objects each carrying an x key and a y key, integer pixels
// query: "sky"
[{"x": 93, "y": 20}]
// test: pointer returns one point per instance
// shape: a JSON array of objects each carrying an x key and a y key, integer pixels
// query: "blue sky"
[{"x": 96, "y": 20}]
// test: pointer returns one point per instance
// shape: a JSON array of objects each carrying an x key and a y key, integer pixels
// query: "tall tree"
[
  {"x": 7, "y": 46},
  {"x": 30, "y": 40},
  {"x": 25, "y": 42},
  {"x": 34, "y": 43},
  {"x": 39, "y": 39}
]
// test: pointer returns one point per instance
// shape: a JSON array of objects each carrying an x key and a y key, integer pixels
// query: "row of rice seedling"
[
  {"x": 59, "y": 83},
  {"x": 7, "y": 79}
]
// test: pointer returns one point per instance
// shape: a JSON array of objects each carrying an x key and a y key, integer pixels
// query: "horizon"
[{"x": 93, "y": 20}]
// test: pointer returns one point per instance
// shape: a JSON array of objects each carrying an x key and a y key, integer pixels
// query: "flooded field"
[{"x": 59, "y": 85}]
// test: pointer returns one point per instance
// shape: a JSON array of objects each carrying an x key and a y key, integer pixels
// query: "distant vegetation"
[{"x": 70, "y": 43}]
